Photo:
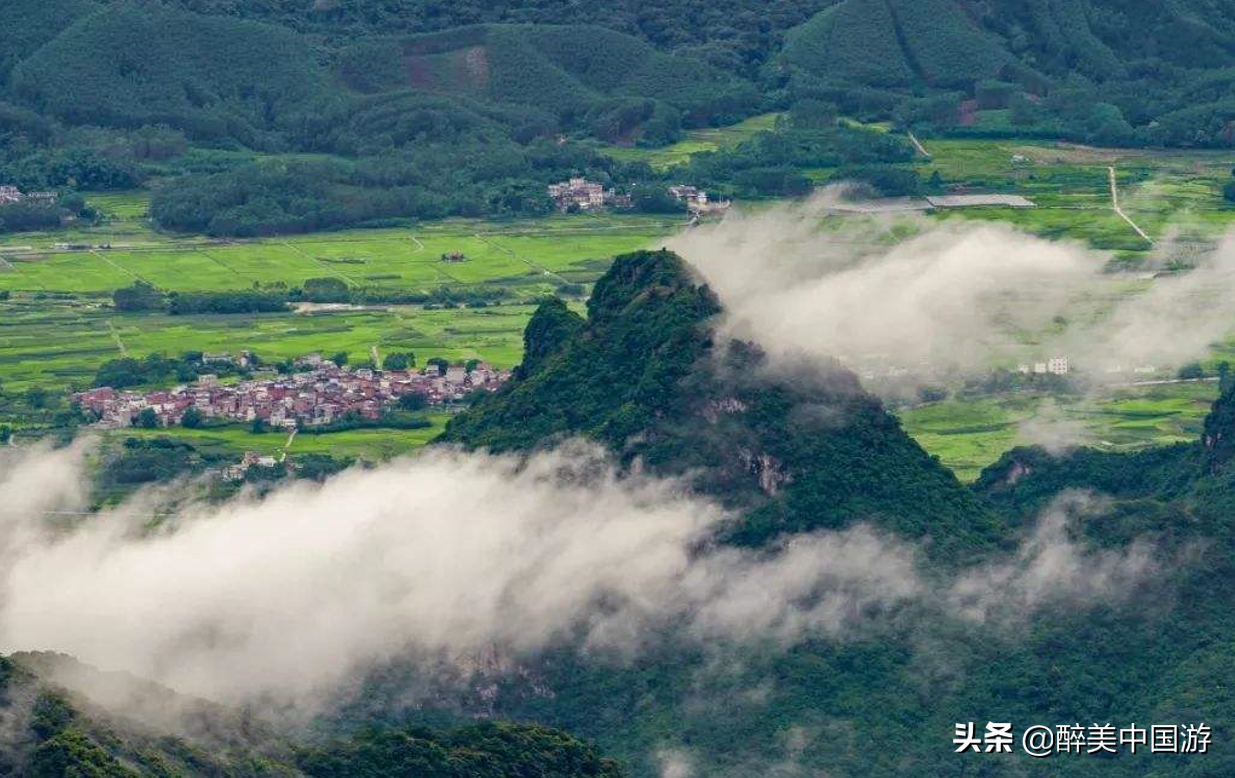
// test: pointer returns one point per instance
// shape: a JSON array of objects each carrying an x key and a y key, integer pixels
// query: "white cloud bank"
[
  {"x": 450, "y": 555},
  {"x": 954, "y": 293}
]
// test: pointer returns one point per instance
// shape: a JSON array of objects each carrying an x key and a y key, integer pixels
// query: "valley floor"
[{"x": 58, "y": 326}]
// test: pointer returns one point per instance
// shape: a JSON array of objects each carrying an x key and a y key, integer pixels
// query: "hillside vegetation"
[
  {"x": 54, "y": 730},
  {"x": 1101, "y": 71},
  {"x": 657, "y": 389},
  {"x": 644, "y": 376},
  {"x": 427, "y": 111}
]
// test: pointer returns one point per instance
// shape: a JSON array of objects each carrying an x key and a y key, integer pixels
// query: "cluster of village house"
[
  {"x": 584, "y": 195},
  {"x": 320, "y": 394},
  {"x": 1060, "y": 366},
  {"x": 1053, "y": 366},
  {"x": 10, "y": 195}
]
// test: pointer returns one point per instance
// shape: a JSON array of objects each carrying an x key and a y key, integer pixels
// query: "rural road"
[
  {"x": 917, "y": 144},
  {"x": 1120, "y": 211},
  {"x": 287, "y": 445}
]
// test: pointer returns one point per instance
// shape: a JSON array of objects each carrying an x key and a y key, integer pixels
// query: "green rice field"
[{"x": 57, "y": 325}]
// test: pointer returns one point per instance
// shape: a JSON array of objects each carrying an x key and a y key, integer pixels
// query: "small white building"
[{"x": 1057, "y": 366}]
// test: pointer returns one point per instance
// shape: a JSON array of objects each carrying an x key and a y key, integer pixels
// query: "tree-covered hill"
[
  {"x": 54, "y": 726},
  {"x": 644, "y": 376},
  {"x": 136, "y": 64},
  {"x": 428, "y": 110},
  {"x": 569, "y": 70},
  {"x": 650, "y": 382},
  {"x": 1103, "y": 71}
]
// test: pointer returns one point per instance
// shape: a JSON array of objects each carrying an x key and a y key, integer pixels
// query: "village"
[
  {"x": 320, "y": 393},
  {"x": 580, "y": 194},
  {"x": 11, "y": 195}
]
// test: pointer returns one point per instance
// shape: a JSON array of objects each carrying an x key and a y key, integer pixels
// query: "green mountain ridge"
[{"x": 644, "y": 376}]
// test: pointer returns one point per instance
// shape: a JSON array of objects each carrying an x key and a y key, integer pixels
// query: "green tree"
[
  {"x": 147, "y": 418},
  {"x": 399, "y": 361},
  {"x": 191, "y": 419},
  {"x": 1191, "y": 371},
  {"x": 36, "y": 397},
  {"x": 141, "y": 296},
  {"x": 414, "y": 401},
  {"x": 340, "y": 358}
]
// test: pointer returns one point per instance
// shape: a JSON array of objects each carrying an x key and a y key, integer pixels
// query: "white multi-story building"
[{"x": 579, "y": 192}]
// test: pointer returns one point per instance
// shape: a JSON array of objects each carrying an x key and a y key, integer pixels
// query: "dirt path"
[
  {"x": 287, "y": 446},
  {"x": 1120, "y": 211},
  {"x": 917, "y": 144},
  {"x": 124, "y": 352}
]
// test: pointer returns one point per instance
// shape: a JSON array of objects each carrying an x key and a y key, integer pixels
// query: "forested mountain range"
[{"x": 416, "y": 109}]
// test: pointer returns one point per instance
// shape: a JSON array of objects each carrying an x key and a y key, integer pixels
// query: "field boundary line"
[
  {"x": 350, "y": 281},
  {"x": 528, "y": 262},
  {"x": 124, "y": 270},
  {"x": 225, "y": 266}
]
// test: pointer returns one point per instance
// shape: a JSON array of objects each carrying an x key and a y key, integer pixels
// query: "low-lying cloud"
[
  {"x": 905, "y": 292},
  {"x": 455, "y": 555}
]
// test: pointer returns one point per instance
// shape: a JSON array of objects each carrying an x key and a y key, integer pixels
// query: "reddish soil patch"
[{"x": 969, "y": 113}]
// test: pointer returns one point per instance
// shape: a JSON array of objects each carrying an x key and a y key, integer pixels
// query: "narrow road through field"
[
  {"x": 419, "y": 246},
  {"x": 917, "y": 144},
  {"x": 1120, "y": 211},
  {"x": 287, "y": 445}
]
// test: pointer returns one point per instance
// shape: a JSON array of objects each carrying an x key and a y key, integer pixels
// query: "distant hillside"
[
  {"x": 64, "y": 719},
  {"x": 644, "y": 376},
  {"x": 136, "y": 64},
  {"x": 25, "y": 25},
  {"x": 1103, "y": 71},
  {"x": 737, "y": 35},
  {"x": 565, "y": 69}
]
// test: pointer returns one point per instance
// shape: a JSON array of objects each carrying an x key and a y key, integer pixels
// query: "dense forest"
[
  {"x": 53, "y": 730},
  {"x": 286, "y": 116}
]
